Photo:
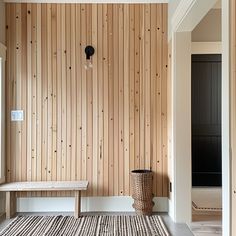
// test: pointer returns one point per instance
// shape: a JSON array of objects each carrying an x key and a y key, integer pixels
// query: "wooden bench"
[{"x": 12, "y": 188}]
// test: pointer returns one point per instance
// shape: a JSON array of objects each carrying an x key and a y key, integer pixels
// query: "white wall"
[
  {"x": 206, "y": 48},
  {"x": 172, "y": 7},
  {"x": 209, "y": 28},
  {"x": 88, "y": 204},
  {"x": 173, "y": 4},
  {"x": 180, "y": 205}
]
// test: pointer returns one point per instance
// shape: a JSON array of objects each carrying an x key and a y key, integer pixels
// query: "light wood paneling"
[
  {"x": 169, "y": 117},
  {"x": 94, "y": 125}
]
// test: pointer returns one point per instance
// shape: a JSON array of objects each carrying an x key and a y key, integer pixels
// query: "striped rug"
[{"x": 86, "y": 226}]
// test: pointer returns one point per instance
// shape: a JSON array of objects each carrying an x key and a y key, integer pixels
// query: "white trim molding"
[
  {"x": 226, "y": 156},
  {"x": 188, "y": 14},
  {"x": 89, "y": 204},
  {"x": 206, "y": 47},
  {"x": 88, "y": 1},
  {"x": 180, "y": 204},
  {"x": 180, "y": 13}
]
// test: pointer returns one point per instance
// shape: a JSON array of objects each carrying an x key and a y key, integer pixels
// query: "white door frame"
[
  {"x": 180, "y": 204},
  {"x": 226, "y": 156},
  {"x": 188, "y": 14}
]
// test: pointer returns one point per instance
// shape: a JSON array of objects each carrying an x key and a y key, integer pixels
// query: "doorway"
[
  {"x": 206, "y": 138},
  {"x": 206, "y": 120},
  {"x": 180, "y": 157},
  {"x": 206, "y": 125}
]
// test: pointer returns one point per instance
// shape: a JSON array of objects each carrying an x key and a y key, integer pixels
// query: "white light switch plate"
[{"x": 17, "y": 115}]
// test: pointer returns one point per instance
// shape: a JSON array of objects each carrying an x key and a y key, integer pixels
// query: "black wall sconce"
[{"x": 89, "y": 51}]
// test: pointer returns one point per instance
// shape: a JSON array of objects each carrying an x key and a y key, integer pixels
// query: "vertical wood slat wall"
[
  {"x": 233, "y": 112},
  {"x": 81, "y": 124},
  {"x": 169, "y": 117}
]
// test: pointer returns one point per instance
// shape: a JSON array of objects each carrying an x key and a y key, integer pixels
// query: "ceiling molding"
[
  {"x": 88, "y": 1},
  {"x": 181, "y": 12},
  {"x": 206, "y": 47},
  {"x": 189, "y": 13}
]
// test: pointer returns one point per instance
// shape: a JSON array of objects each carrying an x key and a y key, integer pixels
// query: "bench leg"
[
  {"x": 77, "y": 204},
  {"x": 10, "y": 204}
]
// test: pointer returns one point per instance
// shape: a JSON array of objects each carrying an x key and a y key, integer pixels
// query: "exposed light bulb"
[{"x": 88, "y": 65}]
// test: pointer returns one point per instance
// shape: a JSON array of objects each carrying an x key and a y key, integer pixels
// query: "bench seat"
[{"x": 13, "y": 187}]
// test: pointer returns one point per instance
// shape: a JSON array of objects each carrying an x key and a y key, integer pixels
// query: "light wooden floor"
[
  {"x": 206, "y": 225},
  {"x": 207, "y": 222}
]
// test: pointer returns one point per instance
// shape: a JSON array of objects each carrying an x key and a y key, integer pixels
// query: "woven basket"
[{"x": 142, "y": 191}]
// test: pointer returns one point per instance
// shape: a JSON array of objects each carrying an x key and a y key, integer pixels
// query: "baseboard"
[
  {"x": 206, "y": 213},
  {"x": 89, "y": 204},
  {"x": 171, "y": 209}
]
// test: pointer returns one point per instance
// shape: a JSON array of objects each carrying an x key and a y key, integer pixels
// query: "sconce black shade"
[{"x": 89, "y": 51}]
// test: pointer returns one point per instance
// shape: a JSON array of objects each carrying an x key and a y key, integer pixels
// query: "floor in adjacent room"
[
  {"x": 173, "y": 228},
  {"x": 206, "y": 225},
  {"x": 207, "y": 211}
]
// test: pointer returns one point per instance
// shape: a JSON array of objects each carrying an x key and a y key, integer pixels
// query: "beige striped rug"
[{"x": 86, "y": 226}]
